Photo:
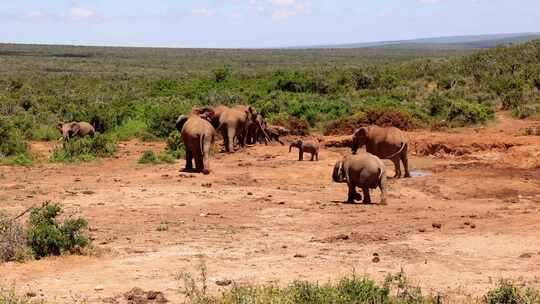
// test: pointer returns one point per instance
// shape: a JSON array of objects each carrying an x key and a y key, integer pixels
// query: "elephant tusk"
[{"x": 267, "y": 138}]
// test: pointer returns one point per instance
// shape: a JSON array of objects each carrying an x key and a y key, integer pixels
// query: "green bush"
[
  {"x": 45, "y": 133},
  {"x": 85, "y": 149},
  {"x": 161, "y": 118},
  {"x": 175, "y": 145},
  {"x": 462, "y": 112},
  {"x": 47, "y": 236},
  {"x": 508, "y": 292},
  {"x": 11, "y": 139},
  {"x": 150, "y": 157}
]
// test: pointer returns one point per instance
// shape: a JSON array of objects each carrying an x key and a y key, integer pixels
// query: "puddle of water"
[{"x": 420, "y": 173}]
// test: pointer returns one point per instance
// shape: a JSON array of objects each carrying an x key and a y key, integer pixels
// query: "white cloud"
[
  {"x": 203, "y": 12},
  {"x": 280, "y": 10},
  {"x": 79, "y": 13}
]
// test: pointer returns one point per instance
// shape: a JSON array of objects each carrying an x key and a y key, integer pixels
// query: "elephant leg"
[
  {"x": 397, "y": 168},
  {"x": 405, "y": 161},
  {"x": 231, "y": 134},
  {"x": 199, "y": 163},
  {"x": 206, "y": 156},
  {"x": 353, "y": 195},
  {"x": 300, "y": 154},
  {"x": 367, "y": 197},
  {"x": 189, "y": 161},
  {"x": 382, "y": 186},
  {"x": 312, "y": 156}
]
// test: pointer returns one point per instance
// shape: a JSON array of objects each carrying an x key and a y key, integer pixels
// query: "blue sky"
[{"x": 256, "y": 23}]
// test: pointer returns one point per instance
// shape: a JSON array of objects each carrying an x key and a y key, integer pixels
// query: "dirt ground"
[{"x": 262, "y": 216}]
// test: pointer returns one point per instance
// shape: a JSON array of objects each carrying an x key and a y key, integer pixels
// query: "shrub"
[
  {"x": 87, "y": 148},
  {"x": 130, "y": 129},
  {"x": 161, "y": 118},
  {"x": 437, "y": 104},
  {"x": 175, "y": 145},
  {"x": 45, "y": 133},
  {"x": 11, "y": 139},
  {"x": 462, "y": 112},
  {"x": 47, "y": 236},
  {"x": 12, "y": 241},
  {"x": 150, "y": 157},
  {"x": 508, "y": 293},
  {"x": 221, "y": 74}
]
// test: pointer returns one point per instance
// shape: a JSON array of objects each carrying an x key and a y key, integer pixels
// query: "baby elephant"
[
  {"x": 365, "y": 171},
  {"x": 305, "y": 147},
  {"x": 72, "y": 129}
]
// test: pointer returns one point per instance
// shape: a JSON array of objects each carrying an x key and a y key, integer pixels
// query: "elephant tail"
[
  {"x": 201, "y": 143},
  {"x": 403, "y": 146}
]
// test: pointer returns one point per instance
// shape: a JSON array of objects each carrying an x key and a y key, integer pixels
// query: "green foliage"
[
  {"x": 130, "y": 129},
  {"x": 85, "y": 149},
  {"x": 150, "y": 157},
  {"x": 47, "y": 236},
  {"x": 175, "y": 145},
  {"x": 221, "y": 74},
  {"x": 11, "y": 140},
  {"x": 508, "y": 292},
  {"x": 9, "y": 296},
  {"x": 462, "y": 112},
  {"x": 162, "y": 117}
]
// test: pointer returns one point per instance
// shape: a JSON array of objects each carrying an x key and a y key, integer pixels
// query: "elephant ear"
[
  {"x": 181, "y": 122},
  {"x": 338, "y": 174},
  {"x": 75, "y": 128}
]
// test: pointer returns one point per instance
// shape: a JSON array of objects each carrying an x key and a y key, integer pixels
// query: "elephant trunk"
[{"x": 266, "y": 137}]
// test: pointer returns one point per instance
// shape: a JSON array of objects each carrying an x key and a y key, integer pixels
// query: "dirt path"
[{"x": 264, "y": 217}]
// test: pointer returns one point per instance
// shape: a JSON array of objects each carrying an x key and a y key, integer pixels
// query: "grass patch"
[
  {"x": 129, "y": 130},
  {"x": 149, "y": 157},
  {"x": 24, "y": 159},
  {"x": 45, "y": 133},
  {"x": 85, "y": 149}
]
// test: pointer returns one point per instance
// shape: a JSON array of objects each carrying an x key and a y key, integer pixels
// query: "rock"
[
  {"x": 422, "y": 230},
  {"x": 250, "y": 193},
  {"x": 98, "y": 288},
  {"x": 473, "y": 226},
  {"x": 299, "y": 255},
  {"x": 526, "y": 256},
  {"x": 88, "y": 192},
  {"x": 31, "y": 294},
  {"x": 376, "y": 259},
  {"x": 436, "y": 225},
  {"x": 223, "y": 282},
  {"x": 206, "y": 185}
]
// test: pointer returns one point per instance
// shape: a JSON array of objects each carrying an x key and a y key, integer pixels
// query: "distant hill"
[{"x": 452, "y": 42}]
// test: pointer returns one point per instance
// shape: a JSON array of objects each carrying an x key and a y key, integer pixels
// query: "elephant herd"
[{"x": 242, "y": 125}]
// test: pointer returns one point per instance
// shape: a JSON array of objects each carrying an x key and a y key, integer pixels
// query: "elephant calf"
[
  {"x": 365, "y": 171},
  {"x": 305, "y": 147},
  {"x": 72, "y": 129}
]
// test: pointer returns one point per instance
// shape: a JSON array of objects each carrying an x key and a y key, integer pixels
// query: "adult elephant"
[
  {"x": 256, "y": 130},
  {"x": 212, "y": 113},
  {"x": 75, "y": 129},
  {"x": 234, "y": 123},
  {"x": 198, "y": 136},
  {"x": 385, "y": 143}
]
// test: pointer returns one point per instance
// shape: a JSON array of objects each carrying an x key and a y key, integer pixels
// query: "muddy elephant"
[
  {"x": 75, "y": 129},
  {"x": 233, "y": 125},
  {"x": 385, "y": 143},
  {"x": 365, "y": 171},
  {"x": 198, "y": 136},
  {"x": 305, "y": 147}
]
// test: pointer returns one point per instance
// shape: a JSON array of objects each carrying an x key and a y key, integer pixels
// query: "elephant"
[
  {"x": 305, "y": 147},
  {"x": 198, "y": 136},
  {"x": 385, "y": 143},
  {"x": 212, "y": 113},
  {"x": 365, "y": 171},
  {"x": 233, "y": 125},
  {"x": 275, "y": 132},
  {"x": 256, "y": 129},
  {"x": 72, "y": 129}
]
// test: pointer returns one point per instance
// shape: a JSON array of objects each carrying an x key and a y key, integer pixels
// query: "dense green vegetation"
[{"x": 129, "y": 92}]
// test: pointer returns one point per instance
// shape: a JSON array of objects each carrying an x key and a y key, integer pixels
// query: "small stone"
[
  {"x": 88, "y": 192},
  {"x": 526, "y": 256},
  {"x": 98, "y": 288},
  {"x": 223, "y": 282},
  {"x": 422, "y": 230},
  {"x": 31, "y": 294},
  {"x": 299, "y": 255},
  {"x": 436, "y": 225},
  {"x": 250, "y": 193},
  {"x": 376, "y": 259},
  {"x": 473, "y": 226}
]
